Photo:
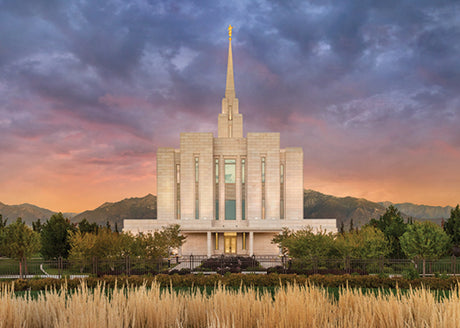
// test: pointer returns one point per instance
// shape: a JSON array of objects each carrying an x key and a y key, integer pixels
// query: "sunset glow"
[{"x": 89, "y": 90}]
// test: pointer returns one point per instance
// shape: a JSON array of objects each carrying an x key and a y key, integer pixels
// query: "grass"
[{"x": 292, "y": 306}]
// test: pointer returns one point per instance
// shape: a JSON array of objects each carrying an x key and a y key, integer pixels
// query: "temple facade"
[{"x": 231, "y": 193}]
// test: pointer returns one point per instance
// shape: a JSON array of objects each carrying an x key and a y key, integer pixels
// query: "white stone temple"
[{"x": 230, "y": 194}]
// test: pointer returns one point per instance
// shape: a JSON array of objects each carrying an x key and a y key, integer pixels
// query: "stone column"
[
  {"x": 209, "y": 253},
  {"x": 251, "y": 243}
]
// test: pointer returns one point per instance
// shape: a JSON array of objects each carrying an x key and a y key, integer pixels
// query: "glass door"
[{"x": 230, "y": 242}]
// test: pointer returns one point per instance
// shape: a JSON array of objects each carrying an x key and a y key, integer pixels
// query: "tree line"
[
  {"x": 389, "y": 236},
  {"x": 59, "y": 238}
]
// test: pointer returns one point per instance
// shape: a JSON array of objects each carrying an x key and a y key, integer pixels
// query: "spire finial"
[
  {"x": 230, "y": 28},
  {"x": 230, "y": 87}
]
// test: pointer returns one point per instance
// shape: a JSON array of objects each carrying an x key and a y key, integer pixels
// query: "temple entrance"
[{"x": 230, "y": 242}]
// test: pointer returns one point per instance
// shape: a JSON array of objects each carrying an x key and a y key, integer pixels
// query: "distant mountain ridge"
[
  {"x": 422, "y": 211},
  {"x": 316, "y": 205},
  {"x": 27, "y": 212},
  {"x": 129, "y": 208}
]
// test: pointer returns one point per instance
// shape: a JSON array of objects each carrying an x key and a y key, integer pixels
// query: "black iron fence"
[{"x": 221, "y": 264}]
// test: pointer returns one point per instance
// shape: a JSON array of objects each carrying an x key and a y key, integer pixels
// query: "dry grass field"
[{"x": 293, "y": 306}]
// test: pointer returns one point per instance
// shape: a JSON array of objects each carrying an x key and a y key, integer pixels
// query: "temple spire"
[{"x": 230, "y": 86}]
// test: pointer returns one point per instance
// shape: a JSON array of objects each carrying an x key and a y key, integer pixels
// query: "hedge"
[{"x": 237, "y": 280}]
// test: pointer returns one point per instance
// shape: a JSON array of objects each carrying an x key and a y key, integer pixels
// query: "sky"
[{"x": 90, "y": 89}]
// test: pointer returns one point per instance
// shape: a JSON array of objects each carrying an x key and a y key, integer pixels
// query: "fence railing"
[{"x": 201, "y": 264}]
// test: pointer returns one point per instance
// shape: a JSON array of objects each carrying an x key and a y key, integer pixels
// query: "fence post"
[
  {"x": 59, "y": 263},
  {"x": 127, "y": 265},
  {"x": 347, "y": 264},
  {"x": 191, "y": 262},
  {"x": 453, "y": 264},
  {"x": 95, "y": 265}
]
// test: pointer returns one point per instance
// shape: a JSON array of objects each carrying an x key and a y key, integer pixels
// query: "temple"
[{"x": 230, "y": 194}]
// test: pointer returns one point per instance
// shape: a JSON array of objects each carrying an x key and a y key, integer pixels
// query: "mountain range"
[{"x": 316, "y": 205}]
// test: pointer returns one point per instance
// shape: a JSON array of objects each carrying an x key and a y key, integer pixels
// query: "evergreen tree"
[
  {"x": 37, "y": 226},
  {"x": 392, "y": 225},
  {"x": 55, "y": 237},
  {"x": 452, "y": 226}
]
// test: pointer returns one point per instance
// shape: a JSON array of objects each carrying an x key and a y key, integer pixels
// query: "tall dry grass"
[{"x": 293, "y": 306}]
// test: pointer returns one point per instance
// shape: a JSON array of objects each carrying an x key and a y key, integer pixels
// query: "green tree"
[
  {"x": 368, "y": 243},
  {"x": 391, "y": 223},
  {"x": 81, "y": 248},
  {"x": 452, "y": 226},
  {"x": 172, "y": 236},
  {"x": 307, "y": 244},
  {"x": 2, "y": 222},
  {"x": 55, "y": 234},
  {"x": 19, "y": 242},
  {"x": 37, "y": 226},
  {"x": 424, "y": 240},
  {"x": 85, "y": 227}
]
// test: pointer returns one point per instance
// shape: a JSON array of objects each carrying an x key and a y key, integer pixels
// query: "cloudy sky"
[{"x": 90, "y": 89}]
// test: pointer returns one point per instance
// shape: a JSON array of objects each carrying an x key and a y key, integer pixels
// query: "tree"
[
  {"x": 172, "y": 236},
  {"x": 280, "y": 238},
  {"x": 81, "y": 248},
  {"x": 342, "y": 228},
  {"x": 452, "y": 226},
  {"x": 367, "y": 243},
  {"x": 307, "y": 244},
  {"x": 2, "y": 222},
  {"x": 424, "y": 240},
  {"x": 391, "y": 223},
  {"x": 19, "y": 242},
  {"x": 85, "y": 227},
  {"x": 55, "y": 237},
  {"x": 37, "y": 226}
]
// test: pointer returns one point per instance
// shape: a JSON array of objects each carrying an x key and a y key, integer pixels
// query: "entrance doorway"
[{"x": 230, "y": 242}]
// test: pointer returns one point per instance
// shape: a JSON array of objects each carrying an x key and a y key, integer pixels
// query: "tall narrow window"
[
  {"x": 243, "y": 189},
  {"x": 263, "y": 169},
  {"x": 216, "y": 190},
  {"x": 282, "y": 191},
  {"x": 230, "y": 189},
  {"x": 196, "y": 169},
  {"x": 263, "y": 188},
  {"x": 243, "y": 244},
  {"x": 217, "y": 241},
  {"x": 178, "y": 191},
  {"x": 197, "y": 202}
]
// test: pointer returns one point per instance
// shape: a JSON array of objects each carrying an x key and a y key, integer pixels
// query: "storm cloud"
[{"x": 89, "y": 90}]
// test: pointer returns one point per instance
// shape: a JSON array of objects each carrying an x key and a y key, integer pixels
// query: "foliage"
[
  {"x": 238, "y": 280},
  {"x": 232, "y": 264},
  {"x": 85, "y": 227},
  {"x": 391, "y": 223},
  {"x": 424, "y": 240},
  {"x": 369, "y": 242},
  {"x": 366, "y": 243},
  {"x": 308, "y": 244},
  {"x": 146, "y": 303},
  {"x": 280, "y": 238},
  {"x": 158, "y": 244},
  {"x": 452, "y": 225},
  {"x": 112, "y": 245},
  {"x": 2, "y": 222},
  {"x": 55, "y": 237},
  {"x": 37, "y": 226},
  {"x": 18, "y": 241}
]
